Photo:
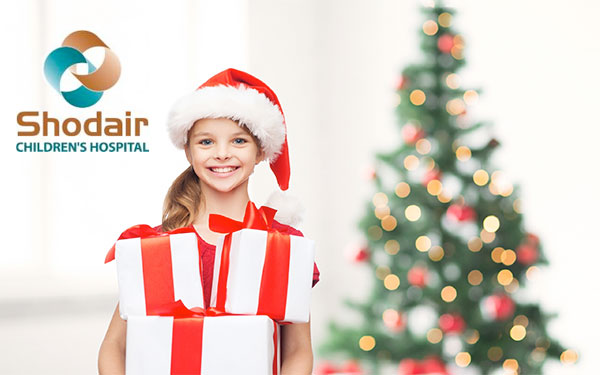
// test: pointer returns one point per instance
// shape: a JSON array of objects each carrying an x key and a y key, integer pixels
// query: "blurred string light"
[
  {"x": 475, "y": 277},
  {"x": 486, "y": 236},
  {"x": 389, "y": 223},
  {"x": 435, "y": 335},
  {"x": 423, "y": 243},
  {"x": 381, "y": 212},
  {"x": 430, "y": 27},
  {"x": 366, "y": 343},
  {"x": 463, "y": 153},
  {"x": 480, "y": 177},
  {"x": 491, "y": 223},
  {"x": 517, "y": 205},
  {"x": 417, "y": 97},
  {"x": 518, "y": 332},
  {"x": 423, "y": 146},
  {"x": 504, "y": 277},
  {"x": 402, "y": 190},
  {"x": 471, "y": 97},
  {"x": 569, "y": 356},
  {"x": 436, "y": 253},
  {"x": 508, "y": 257},
  {"x": 448, "y": 293},
  {"x": 391, "y": 282},
  {"x": 510, "y": 365},
  {"x": 453, "y": 81},
  {"x": 455, "y": 107},
  {"x": 532, "y": 272},
  {"x": 444, "y": 197},
  {"x": 445, "y": 19},
  {"x": 411, "y": 162},
  {"x": 472, "y": 336},
  {"x": 380, "y": 199},
  {"x": 462, "y": 359},
  {"x": 392, "y": 247},
  {"x": 475, "y": 244},
  {"x": 457, "y": 49},
  {"x": 412, "y": 212},
  {"x": 434, "y": 187},
  {"x": 500, "y": 185},
  {"x": 496, "y": 254}
]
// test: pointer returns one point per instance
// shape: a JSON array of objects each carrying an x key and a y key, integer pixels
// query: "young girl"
[{"x": 226, "y": 127}]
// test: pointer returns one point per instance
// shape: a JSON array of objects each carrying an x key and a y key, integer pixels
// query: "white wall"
[{"x": 333, "y": 65}]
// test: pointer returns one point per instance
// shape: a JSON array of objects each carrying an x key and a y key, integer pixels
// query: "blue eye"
[
  {"x": 202, "y": 141},
  {"x": 242, "y": 139}
]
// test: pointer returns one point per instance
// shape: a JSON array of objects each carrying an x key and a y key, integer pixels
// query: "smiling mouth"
[{"x": 224, "y": 171}]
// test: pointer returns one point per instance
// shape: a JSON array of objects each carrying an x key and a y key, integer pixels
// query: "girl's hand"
[
  {"x": 296, "y": 349},
  {"x": 111, "y": 358}
]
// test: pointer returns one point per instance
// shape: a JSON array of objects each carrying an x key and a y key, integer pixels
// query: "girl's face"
[{"x": 222, "y": 153}]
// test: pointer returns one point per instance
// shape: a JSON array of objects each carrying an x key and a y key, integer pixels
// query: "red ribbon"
[
  {"x": 186, "y": 346},
  {"x": 142, "y": 231},
  {"x": 274, "y": 281}
]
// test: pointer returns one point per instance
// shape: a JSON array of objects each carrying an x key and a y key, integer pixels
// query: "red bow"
[
  {"x": 254, "y": 218},
  {"x": 178, "y": 310},
  {"x": 143, "y": 231}
]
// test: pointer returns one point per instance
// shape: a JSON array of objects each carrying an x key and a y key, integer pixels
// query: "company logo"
[{"x": 95, "y": 82}]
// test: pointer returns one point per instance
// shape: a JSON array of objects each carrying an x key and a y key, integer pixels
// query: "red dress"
[{"x": 207, "y": 255}]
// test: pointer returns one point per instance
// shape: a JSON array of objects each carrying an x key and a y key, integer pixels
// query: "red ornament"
[
  {"x": 412, "y": 133},
  {"x": 349, "y": 368},
  {"x": 417, "y": 276},
  {"x": 433, "y": 174},
  {"x": 527, "y": 254},
  {"x": 394, "y": 320},
  {"x": 445, "y": 43},
  {"x": 458, "y": 213},
  {"x": 429, "y": 366},
  {"x": 452, "y": 323},
  {"x": 532, "y": 239},
  {"x": 360, "y": 254},
  {"x": 498, "y": 306},
  {"x": 402, "y": 82}
]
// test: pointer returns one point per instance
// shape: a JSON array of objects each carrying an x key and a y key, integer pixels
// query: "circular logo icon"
[{"x": 95, "y": 82}]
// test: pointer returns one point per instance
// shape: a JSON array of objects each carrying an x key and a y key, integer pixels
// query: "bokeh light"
[
  {"x": 430, "y": 27},
  {"x": 412, "y": 212},
  {"x": 366, "y": 343},
  {"x": 462, "y": 359},
  {"x": 480, "y": 177},
  {"x": 391, "y": 247},
  {"x": 389, "y": 223},
  {"x": 391, "y": 282},
  {"x": 448, "y": 293},
  {"x": 402, "y": 190},
  {"x": 436, "y": 253},
  {"x": 475, "y": 277},
  {"x": 417, "y": 97}
]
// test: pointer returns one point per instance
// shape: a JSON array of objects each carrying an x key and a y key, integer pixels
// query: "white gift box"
[
  {"x": 153, "y": 271},
  {"x": 248, "y": 250},
  {"x": 221, "y": 345}
]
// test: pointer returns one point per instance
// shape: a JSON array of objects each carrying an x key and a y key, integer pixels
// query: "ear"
[
  {"x": 186, "y": 148},
  {"x": 260, "y": 155}
]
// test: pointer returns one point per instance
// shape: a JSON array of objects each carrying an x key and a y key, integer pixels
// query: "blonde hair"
[{"x": 183, "y": 198}]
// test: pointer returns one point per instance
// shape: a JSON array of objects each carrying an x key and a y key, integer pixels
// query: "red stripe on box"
[
  {"x": 158, "y": 272},
  {"x": 186, "y": 349},
  {"x": 223, "y": 273},
  {"x": 274, "y": 282}
]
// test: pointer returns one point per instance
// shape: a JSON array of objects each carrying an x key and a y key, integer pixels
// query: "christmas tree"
[{"x": 445, "y": 239}]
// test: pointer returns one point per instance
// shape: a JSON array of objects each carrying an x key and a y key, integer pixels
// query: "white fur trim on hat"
[
  {"x": 290, "y": 210},
  {"x": 243, "y": 104}
]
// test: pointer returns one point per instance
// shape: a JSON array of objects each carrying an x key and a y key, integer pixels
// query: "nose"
[{"x": 222, "y": 151}]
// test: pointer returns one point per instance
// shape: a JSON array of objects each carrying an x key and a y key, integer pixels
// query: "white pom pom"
[{"x": 290, "y": 210}]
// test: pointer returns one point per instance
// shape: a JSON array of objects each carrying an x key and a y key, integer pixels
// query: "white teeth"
[{"x": 222, "y": 170}]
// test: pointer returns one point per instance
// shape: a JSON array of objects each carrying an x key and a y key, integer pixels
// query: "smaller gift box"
[
  {"x": 261, "y": 271},
  {"x": 156, "y": 268},
  {"x": 191, "y": 343}
]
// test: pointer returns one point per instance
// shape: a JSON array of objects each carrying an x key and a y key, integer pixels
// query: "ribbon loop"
[
  {"x": 143, "y": 231},
  {"x": 261, "y": 218}
]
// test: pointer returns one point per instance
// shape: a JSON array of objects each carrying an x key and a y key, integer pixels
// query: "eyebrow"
[{"x": 208, "y": 133}]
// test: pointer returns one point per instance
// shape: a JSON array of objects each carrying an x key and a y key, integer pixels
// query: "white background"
[{"x": 333, "y": 65}]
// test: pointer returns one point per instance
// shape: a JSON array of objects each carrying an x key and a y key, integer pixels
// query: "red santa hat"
[{"x": 244, "y": 98}]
